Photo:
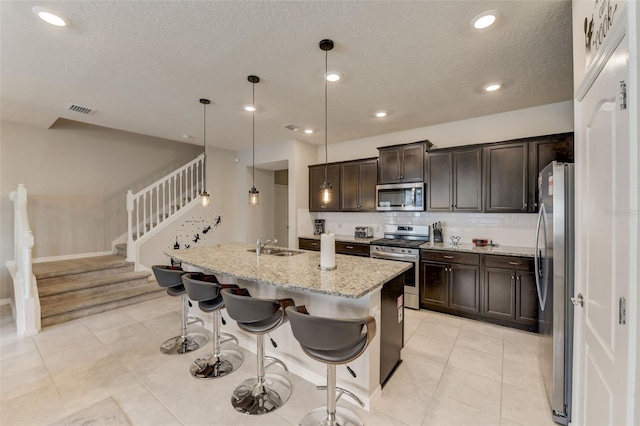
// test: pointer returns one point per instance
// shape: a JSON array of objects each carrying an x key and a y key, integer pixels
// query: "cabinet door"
[
  {"x": 467, "y": 180},
  {"x": 308, "y": 244},
  {"x": 465, "y": 288},
  {"x": 389, "y": 166},
  {"x": 316, "y": 177},
  {"x": 505, "y": 180},
  {"x": 349, "y": 187},
  {"x": 439, "y": 188},
  {"x": 499, "y": 293},
  {"x": 526, "y": 298},
  {"x": 412, "y": 169},
  {"x": 542, "y": 152},
  {"x": 368, "y": 180},
  {"x": 352, "y": 249},
  {"x": 435, "y": 288}
]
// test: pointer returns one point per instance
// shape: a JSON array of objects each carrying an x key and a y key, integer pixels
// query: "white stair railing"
[
  {"x": 25, "y": 289},
  {"x": 149, "y": 208}
]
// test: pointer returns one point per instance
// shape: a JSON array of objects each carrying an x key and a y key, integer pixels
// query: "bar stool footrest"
[
  {"x": 273, "y": 361},
  {"x": 342, "y": 391}
]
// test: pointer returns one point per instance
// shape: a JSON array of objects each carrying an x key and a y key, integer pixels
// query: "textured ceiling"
[{"x": 143, "y": 65}]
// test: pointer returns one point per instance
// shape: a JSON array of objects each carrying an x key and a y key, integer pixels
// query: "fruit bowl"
[{"x": 480, "y": 242}]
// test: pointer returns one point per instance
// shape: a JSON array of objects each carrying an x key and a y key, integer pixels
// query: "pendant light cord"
[
  {"x": 253, "y": 129},
  {"x": 326, "y": 155},
  {"x": 204, "y": 142}
]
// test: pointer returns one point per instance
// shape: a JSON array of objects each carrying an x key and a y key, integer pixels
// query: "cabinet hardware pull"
[
  {"x": 514, "y": 263},
  {"x": 349, "y": 247},
  {"x": 447, "y": 257},
  {"x": 314, "y": 244}
]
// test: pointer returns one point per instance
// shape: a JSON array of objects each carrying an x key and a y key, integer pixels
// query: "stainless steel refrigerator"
[{"x": 554, "y": 263}]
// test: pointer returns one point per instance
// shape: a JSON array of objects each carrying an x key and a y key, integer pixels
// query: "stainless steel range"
[{"x": 401, "y": 243}]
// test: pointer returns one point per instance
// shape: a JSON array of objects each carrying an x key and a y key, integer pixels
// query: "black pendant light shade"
[
  {"x": 325, "y": 188},
  {"x": 254, "y": 194},
  {"x": 204, "y": 195}
]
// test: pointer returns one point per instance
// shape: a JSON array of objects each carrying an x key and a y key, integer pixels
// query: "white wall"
[
  {"x": 505, "y": 229},
  {"x": 77, "y": 176},
  {"x": 220, "y": 166}
]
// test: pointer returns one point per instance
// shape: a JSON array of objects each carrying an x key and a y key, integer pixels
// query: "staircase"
[{"x": 71, "y": 289}]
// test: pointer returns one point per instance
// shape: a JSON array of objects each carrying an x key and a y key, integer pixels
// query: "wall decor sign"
[
  {"x": 196, "y": 230},
  {"x": 596, "y": 27}
]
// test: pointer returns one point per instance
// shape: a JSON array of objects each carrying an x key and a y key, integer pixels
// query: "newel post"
[{"x": 131, "y": 256}]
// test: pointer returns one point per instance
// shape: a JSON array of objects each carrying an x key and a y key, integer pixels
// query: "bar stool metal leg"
[
  {"x": 332, "y": 415},
  {"x": 220, "y": 362},
  {"x": 263, "y": 394},
  {"x": 185, "y": 342}
]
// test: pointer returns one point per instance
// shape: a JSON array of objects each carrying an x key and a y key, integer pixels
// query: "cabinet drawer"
[
  {"x": 512, "y": 263},
  {"x": 308, "y": 244},
  {"x": 352, "y": 248},
  {"x": 450, "y": 257}
]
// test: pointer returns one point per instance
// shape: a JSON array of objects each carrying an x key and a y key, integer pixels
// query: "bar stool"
[
  {"x": 266, "y": 392},
  {"x": 170, "y": 277},
  {"x": 331, "y": 341},
  {"x": 205, "y": 289}
]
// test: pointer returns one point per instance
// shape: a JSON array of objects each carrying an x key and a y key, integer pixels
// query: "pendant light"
[
  {"x": 254, "y": 194},
  {"x": 325, "y": 188},
  {"x": 204, "y": 200}
]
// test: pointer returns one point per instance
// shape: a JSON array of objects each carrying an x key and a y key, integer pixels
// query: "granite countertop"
[
  {"x": 354, "y": 277},
  {"x": 470, "y": 248},
  {"x": 342, "y": 238}
]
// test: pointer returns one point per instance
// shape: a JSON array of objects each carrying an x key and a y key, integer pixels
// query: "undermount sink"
[{"x": 277, "y": 251}]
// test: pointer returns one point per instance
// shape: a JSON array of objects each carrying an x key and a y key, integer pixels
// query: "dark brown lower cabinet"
[
  {"x": 355, "y": 249},
  {"x": 491, "y": 288},
  {"x": 450, "y": 287}
]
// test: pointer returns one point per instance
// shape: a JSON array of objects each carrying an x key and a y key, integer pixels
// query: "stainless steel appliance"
[
  {"x": 401, "y": 243},
  {"x": 318, "y": 226},
  {"x": 363, "y": 232},
  {"x": 554, "y": 270},
  {"x": 400, "y": 196}
]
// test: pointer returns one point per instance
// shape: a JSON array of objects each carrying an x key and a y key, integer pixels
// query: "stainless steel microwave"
[{"x": 400, "y": 197}]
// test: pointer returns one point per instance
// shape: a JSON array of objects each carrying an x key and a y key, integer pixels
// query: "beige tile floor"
[{"x": 455, "y": 372}]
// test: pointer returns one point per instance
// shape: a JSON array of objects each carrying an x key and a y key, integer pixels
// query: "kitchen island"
[{"x": 356, "y": 288}]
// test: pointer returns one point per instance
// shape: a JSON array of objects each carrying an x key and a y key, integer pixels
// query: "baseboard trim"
[{"x": 71, "y": 256}]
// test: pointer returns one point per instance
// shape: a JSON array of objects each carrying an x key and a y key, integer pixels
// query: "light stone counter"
[
  {"x": 470, "y": 248},
  {"x": 354, "y": 277}
]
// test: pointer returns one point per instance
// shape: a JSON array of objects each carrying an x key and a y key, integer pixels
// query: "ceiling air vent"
[
  {"x": 80, "y": 109},
  {"x": 291, "y": 127}
]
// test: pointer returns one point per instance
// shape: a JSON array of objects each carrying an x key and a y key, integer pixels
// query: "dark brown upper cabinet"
[
  {"x": 402, "y": 163},
  {"x": 455, "y": 180},
  {"x": 316, "y": 177},
  {"x": 542, "y": 151},
  {"x": 358, "y": 185},
  {"x": 506, "y": 178}
]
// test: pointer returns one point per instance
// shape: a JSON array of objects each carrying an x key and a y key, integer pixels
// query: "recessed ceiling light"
[
  {"x": 381, "y": 114},
  {"x": 186, "y": 136},
  {"x": 484, "y": 19},
  {"x": 249, "y": 108},
  {"x": 308, "y": 131},
  {"x": 49, "y": 17},
  {"x": 492, "y": 87},
  {"x": 333, "y": 77}
]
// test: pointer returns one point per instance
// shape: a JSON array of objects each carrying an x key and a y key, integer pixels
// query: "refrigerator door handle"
[{"x": 538, "y": 273}]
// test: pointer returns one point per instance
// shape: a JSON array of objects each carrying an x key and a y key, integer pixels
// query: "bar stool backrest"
[
  {"x": 246, "y": 309},
  {"x": 167, "y": 276},
  {"x": 200, "y": 286}
]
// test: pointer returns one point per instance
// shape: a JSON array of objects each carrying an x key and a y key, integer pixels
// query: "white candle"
[{"x": 327, "y": 251}]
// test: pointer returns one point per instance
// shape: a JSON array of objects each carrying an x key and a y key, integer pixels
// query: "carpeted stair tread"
[
  {"x": 102, "y": 307},
  {"x": 70, "y": 286},
  {"x": 70, "y": 305},
  {"x": 77, "y": 266}
]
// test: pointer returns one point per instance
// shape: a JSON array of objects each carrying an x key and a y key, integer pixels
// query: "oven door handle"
[{"x": 396, "y": 256}]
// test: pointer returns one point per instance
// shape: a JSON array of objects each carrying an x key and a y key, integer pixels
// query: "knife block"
[{"x": 437, "y": 235}]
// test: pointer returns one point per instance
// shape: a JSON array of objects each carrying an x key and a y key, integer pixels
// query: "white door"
[
  {"x": 281, "y": 215},
  {"x": 603, "y": 257}
]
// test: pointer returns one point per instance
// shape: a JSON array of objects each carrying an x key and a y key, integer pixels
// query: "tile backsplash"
[{"x": 507, "y": 229}]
